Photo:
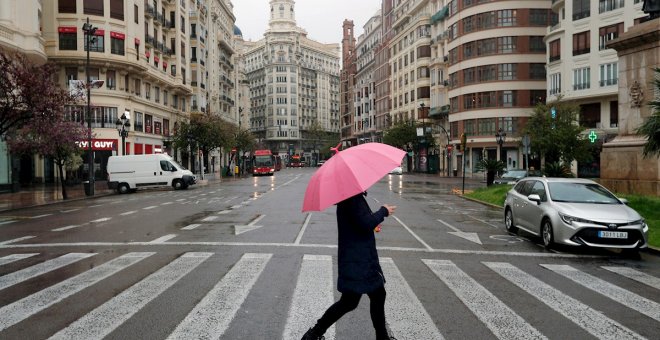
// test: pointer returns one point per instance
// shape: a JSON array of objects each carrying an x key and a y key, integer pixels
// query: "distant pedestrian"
[{"x": 359, "y": 270}]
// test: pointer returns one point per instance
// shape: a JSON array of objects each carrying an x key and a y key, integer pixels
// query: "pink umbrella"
[{"x": 349, "y": 173}]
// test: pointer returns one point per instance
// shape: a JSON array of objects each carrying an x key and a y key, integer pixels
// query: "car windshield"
[
  {"x": 580, "y": 193},
  {"x": 514, "y": 174}
]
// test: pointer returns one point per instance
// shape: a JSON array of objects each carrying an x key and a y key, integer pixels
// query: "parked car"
[
  {"x": 573, "y": 211},
  {"x": 511, "y": 177},
  {"x": 397, "y": 171}
]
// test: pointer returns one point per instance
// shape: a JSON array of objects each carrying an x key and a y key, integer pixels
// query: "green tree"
[
  {"x": 400, "y": 134},
  {"x": 558, "y": 139},
  {"x": 316, "y": 134},
  {"x": 651, "y": 127},
  {"x": 206, "y": 132},
  {"x": 491, "y": 167}
]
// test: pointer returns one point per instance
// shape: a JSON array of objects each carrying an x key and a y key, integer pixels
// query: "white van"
[{"x": 128, "y": 173}]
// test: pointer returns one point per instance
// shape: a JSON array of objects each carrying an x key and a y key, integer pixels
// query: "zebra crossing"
[{"x": 313, "y": 292}]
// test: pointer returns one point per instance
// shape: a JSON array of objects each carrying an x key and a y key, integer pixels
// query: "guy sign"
[{"x": 99, "y": 144}]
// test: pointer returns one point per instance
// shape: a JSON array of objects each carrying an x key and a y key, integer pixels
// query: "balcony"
[
  {"x": 608, "y": 82},
  {"x": 149, "y": 11},
  {"x": 149, "y": 40}
]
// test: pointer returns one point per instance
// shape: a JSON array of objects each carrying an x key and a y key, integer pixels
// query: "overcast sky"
[{"x": 321, "y": 19}]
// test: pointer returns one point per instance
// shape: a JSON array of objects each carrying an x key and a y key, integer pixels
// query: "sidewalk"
[{"x": 44, "y": 194}]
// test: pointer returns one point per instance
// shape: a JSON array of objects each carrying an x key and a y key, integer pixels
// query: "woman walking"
[{"x": 359, "y": 270}]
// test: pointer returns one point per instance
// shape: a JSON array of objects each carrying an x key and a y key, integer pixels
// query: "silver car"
[{"x": 573, "y": 211}]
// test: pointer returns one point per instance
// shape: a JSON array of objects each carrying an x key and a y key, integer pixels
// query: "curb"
[{"x": 57, "y": 202}]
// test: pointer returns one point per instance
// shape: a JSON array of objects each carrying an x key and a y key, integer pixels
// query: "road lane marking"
[
  {"x": 95, "y": 206},
  {"x": 190, "y": 227},
  {"x": 70, "y": 210},
  {"x": 30, "y": 305},
  {"x": 497, "y": 316},
  {"x": 40, "y": 216},
  {"x": 41, "y": 268},
  {"x": 128, "y": 213},
  {"x": 635, "y": 275},
  {"x": 15, "y": 257},
  {"x": 211, "y": 317},
  {"x": 150, "y": 207},
  {"x": 406, "y": 315},
  {"x": 582, "y": 315},
  {"x": 103, "y": 219},
  {"x": 7, "y": 222},
  {"x": 181, "y": 199},
  {"x": 236, "y": 206},
  {"x": 600, "y": 286},
  {"x": 110, "y": 315},
  {"x": 163, "y": 239},
  {"x": 16, "y": 240},
  {"x": 66, "y": 228},
  {"x": 302, "y": 230},
  {"x": 224, "y": 212},
  {"x": 313, "y": 294},
  {"x": 473, "y": 237},
  {"x": 304, "y": 245},
  {"x": 419, "y": 239},
  {"x": 210, "y": 218},
  {"x": 167, "y": 203},
  {"x": 239, "y": 229}
]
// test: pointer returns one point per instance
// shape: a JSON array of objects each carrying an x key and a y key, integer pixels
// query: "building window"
[
  {"x": 607, "y": 33},
  {"x": 537, "y": 71},
  {"x": 555, "y": 50},
  {"x": 148, "y": 121},
  {"x": 66, "y": 6},
  {"x": 538, "y": 17},
  {"x": 555, "y": 84},
  {"x": 581, "y": 78},
  {"x": 506, "y": 17},
  {"x": 68, "y": 41},
  {"x": 506, "y": 44},
  {"x": 97, "y": 43},
  {"x": 136, "y": 12},
  {"x": 506, "y": 99},
  {"x": 610, "y": 5},
  {"x": 93, "y": 7},
  {"x": 116, "y": 45},
  {"x": 111, "y": 80},
  {"x": 581, "y": 9},
  {"x": 581, "y": 44},
  {"x": 117, "y": 9},
  {"x": 609, "y": 74},
  {"x": 536, "y": 44},
  {"x": 507, "y": 72}
]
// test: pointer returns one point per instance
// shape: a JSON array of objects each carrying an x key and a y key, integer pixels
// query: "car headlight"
[{"x": 568, "y": 219}]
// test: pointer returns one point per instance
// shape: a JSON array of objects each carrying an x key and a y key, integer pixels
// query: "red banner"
[
  {"x": 164, "y": 64},
  {"x": 67, "y": 29},
  {"x": 147, "y": 54},
  {"x": 99, "y": 32},
  {"x": 117, "y": 35},
  {"x": 156, "y": 59},
  {"x": 137, "y": 41}
]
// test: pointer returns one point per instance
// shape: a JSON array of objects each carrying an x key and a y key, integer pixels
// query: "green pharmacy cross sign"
[{"x": 593, "y": 136}]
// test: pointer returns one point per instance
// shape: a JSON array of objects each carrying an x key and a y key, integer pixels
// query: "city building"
[
  {"x": 347, "y": 87},
  {"x": 581, "y": 67},
  {"x": 20, "y": 31},
  {"x": 496, "y": 59},
  {"x": 294, "y": 84},
  {"x": 365, "y": 128},
  {"x": 382, "y": 71}
]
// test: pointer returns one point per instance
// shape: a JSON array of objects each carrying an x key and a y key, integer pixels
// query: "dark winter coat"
[{"x": 358, "y": 267}]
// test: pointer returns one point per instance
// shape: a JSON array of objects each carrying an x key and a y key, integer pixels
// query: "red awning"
[
  {"x": 67, "y": 29},
  {"x": 99, "y": 32},
  {"x": 117, "y": 35}
]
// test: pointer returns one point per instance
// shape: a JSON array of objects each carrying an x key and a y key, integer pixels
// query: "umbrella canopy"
[{"x": 349, "y": 173}]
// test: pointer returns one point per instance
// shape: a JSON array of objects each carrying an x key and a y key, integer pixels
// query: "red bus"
[{"x": 263, "y": 163}]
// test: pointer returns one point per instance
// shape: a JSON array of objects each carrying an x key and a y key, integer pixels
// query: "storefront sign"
[
  {"x": 99, "y": 144},
  {"x": 67, "y": 29},
  {"x": 117, "y": 35}
]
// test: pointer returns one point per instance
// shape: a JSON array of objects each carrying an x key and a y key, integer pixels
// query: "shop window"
[
  {"x": 93, "y": 7},
  {"x": 66, "y": 6}
]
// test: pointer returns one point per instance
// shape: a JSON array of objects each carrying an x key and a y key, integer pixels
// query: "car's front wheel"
[
  {"x": 509, "y": 224},
  {"x": 547, "y": 234}
]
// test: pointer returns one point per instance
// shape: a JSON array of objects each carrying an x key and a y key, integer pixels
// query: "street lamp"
[
  {"x": 421, "y": 111},
  {"x": 123, "y": 125},
  {"x": 89, "y": 38},
  {"x": 500, "y": 137}
]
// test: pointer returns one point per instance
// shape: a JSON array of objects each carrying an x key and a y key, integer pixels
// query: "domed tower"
[{"x": 282, "y": 15}]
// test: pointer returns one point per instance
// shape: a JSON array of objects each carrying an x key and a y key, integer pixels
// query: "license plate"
[{"x": 612, "y": 234}]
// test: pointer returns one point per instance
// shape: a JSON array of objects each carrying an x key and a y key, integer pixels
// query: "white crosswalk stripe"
[
  {"x": 211, "y": 317},
  {"x": 584, "y": 316},
  {"x": 107, "y": 317},
  {"x": 313, "y": 295},
  {"x": 636, "y": 275},
  {"x": 314, "y": 292},
  {"x": 497, "y": 316},
  {"x": 404, "y": 313},
  {"x": 24, "y": 308},
  {"x": 618, "y": 294},
  {"x": 15, "y": 257},
  {"x": 41, "y": 268}
]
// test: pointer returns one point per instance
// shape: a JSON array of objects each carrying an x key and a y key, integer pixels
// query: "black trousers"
[{"x": 350, "y": 301}]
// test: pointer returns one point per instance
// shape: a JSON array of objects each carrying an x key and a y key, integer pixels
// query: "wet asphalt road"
[{"x": 238, "y": 260}]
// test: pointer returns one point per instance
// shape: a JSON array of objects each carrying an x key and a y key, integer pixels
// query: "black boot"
[{"x": 312, "y": 335}]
